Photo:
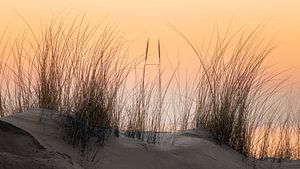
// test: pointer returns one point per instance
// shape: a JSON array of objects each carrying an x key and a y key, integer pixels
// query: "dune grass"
[
  {"x": 235, "y": 88},
  {"x": 146, "y": 115},
  {"x": 82, "y": 71},
  {"x": 70, "y": 69}
]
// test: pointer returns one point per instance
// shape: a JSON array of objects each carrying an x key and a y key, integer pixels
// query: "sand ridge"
[{"x": 33, "y": 139}]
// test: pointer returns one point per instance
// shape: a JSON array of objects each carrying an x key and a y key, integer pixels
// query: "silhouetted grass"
[
  {"x": 146, "y": 110},
  {"x": 71, "y": 69},
  {"x": 234, "y": 87},
  {"x": 81, "y": 70}
]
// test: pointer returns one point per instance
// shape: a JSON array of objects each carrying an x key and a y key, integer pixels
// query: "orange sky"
[{"x": 140, "y": 19}]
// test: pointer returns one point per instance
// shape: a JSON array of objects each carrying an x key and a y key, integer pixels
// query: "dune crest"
[{"x": 29, "y": 141}]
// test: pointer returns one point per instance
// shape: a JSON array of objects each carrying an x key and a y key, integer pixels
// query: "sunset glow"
[
  {"x": 159, "y": 84},
  {"x": 138, "y": 20}
]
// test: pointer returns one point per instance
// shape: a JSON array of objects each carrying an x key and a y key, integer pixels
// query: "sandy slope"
[
  {"x": 19, "y": 150},
  {"x": 188, "y": 150}
]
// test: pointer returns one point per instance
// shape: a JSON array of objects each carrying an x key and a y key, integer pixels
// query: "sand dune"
[
  {"x": 29, "y": 141},
  {"x": 20, "y": 150}
]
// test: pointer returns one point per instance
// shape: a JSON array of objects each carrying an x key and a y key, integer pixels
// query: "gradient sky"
[{"x": 140, "y": 19}]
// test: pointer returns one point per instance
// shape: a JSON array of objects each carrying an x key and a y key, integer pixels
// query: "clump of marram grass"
[
  {"x": 146, "y": 110},
  {"x": 99, "y": 79},
  {"x": 234, "y": 87},
  {"x": 71, "y": 68}
]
